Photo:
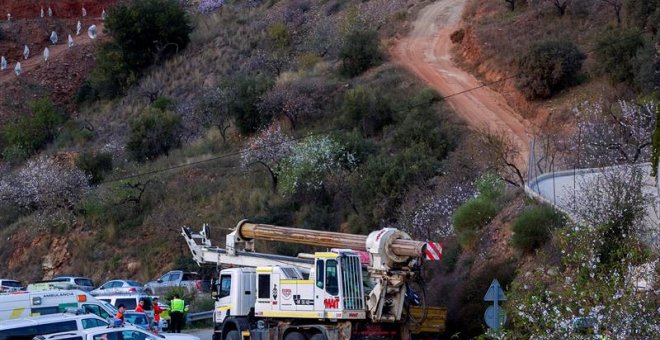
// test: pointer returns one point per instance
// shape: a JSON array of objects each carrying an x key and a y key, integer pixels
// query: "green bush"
[
  {"x": 490, "y": 186},
  {"x": 155, "y": 132},
  {"x": 28, "y": 135},
  {"x": 615, "y": 54},
  {"x": 549, "y": 67},
  {"x": 148, "y": 31},
  {"x": 366, "y": 108},
  {"x": 95, "y": 165},
  {"x": 144, "y": 32},
  {"x": 111, "y": 76},
  {"x": 470, "y": 217},
  {"x": 243, "y": 95},
  {"x": 360, "y": 51},
  {"x": 533, "y": 227}
]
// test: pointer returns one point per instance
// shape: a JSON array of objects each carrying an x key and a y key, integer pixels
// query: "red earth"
[{"x": 30, "y": 9}]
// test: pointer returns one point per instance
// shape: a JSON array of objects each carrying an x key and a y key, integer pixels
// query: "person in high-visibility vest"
[{"x": 177, "y": 308}]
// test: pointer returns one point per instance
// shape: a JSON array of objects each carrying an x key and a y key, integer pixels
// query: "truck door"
[
  {"x": 223, "y": 304},
  {"x": 326, "y": 288}
]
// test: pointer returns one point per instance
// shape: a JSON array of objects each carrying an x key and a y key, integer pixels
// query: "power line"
[{"x": 183, "y": 165}]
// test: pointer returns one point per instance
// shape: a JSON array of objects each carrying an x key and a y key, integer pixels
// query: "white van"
[
  {"x": 25, "y": 304},
  {"x": 27, "y": 328}
]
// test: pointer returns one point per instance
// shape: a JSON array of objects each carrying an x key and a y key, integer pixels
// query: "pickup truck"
[{"x": 191, "y": 281}]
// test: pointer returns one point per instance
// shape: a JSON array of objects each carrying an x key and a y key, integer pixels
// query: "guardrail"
[{"x": 190, "y": 317}]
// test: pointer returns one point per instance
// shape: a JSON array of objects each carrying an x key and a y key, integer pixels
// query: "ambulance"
[{"x": 25, "y": 304}]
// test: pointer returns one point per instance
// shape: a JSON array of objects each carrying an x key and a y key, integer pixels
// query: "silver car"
[
  {"x": 8, "y": 286},
  {"x": 81, "y": 283},
  {"x": 118, "y": 287}
]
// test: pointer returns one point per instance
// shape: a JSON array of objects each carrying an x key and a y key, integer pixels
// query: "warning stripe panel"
[{"x": 433, "y": 251}]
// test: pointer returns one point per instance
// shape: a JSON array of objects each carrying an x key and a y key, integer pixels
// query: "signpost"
[{"x": 494, "y": 315}]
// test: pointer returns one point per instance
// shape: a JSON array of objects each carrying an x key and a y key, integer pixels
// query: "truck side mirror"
[{"x": 214, "y": 294}]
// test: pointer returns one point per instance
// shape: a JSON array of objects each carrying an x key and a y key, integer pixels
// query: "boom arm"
[{"x": 205, "y": 253}]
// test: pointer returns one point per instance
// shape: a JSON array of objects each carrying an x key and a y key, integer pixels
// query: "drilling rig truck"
[{"x": 365, "y": 287}]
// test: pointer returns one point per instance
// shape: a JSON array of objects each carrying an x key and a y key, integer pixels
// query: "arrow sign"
[{"x": 495, "y": 292}]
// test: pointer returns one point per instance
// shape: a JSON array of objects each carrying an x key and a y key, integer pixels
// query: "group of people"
[{"x": 177, "y": 308}]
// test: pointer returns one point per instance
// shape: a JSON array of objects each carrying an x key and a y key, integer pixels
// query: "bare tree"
[
  {"x": 296, "y": 100},
  {"x": 512, "y": 4},
  {"x": 505, "y": 156},
  {"x": 614, "y": 134},
  {"x": 213, "y": 110},
  {"x": 561, "y": 6},
  {"x": 268, "y": 148},
  {"x": 616, "y": 6}
]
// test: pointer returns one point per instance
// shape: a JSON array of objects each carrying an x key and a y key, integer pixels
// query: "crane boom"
[{"x": 399, "y": 246}]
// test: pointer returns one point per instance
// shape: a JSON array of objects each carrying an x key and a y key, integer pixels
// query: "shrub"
[
  {"x": 472, "y": 216},
  {"x": 490, "y": 186},
  {"x": 242, "y": 95},
  {"x": 360, "y": 51},
  {"x": 310, "y": 162},
  {"x": 457, "y": 36},
  {"x": 111, "y": 75},
  {"x": 615, "y": 52},
  {"x": 367, "y": 108},
  {"x": 95, "y": 165},
  {"x": 28, "y": 135},
  {"x": 549, "y": 67},
  {"x": 153, "y": 133},
  {"x": 533, "y": 227},
  {"x": 279, "y": 36},
  {"x": 148, "y": 31},
  {"x": 144, "y": 32}
]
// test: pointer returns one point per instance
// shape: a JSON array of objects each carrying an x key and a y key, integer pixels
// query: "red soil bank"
[{"x": 30, "y": 9}]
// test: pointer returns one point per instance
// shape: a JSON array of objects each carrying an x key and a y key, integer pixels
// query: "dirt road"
[{"x": 426, "y": 51}]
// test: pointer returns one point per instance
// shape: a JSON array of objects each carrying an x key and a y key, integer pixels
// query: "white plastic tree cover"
[
  {"x": 84, "y": 12},
  {"x": 26, "y": 52},
  {"x": 53, "y": 38},
  {"x": 50, "y": 12},
  {"x": 70, "y": 41},
  {"x": 46, "y": 54},
  {"x": 78, "y": 28},
  {"x": 17, "y": 69},
  {"x": 91, "y": 32},
  {"x": 3, "y": 63},
  {"x": 42, "y": 12},
  {"x": 104, "y": 15}
]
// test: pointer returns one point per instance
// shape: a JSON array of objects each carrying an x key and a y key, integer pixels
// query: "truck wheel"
[
  {"x": 233, "y": 335},
  {"x": 318, "y": 336},
  {"x": 295, "y": 336}
]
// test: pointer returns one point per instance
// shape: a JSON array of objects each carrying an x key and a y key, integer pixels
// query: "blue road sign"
[
  {"x": 491, "y": 320},
  {"x": 495, "y": 292}
]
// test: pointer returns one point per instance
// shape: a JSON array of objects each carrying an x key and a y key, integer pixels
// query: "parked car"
[
  {"x": 81, "y": 283},
  {"x": 130, "y": 301},
  {"x": 191, "y": 281},
  {"x": 139, "y": 319},
  {"x": 126, "y": 333},
  {"x": 118, "y": 287},
  {"x": 50, "y": 285},
  {"x": 8, "y": 286},
  {"x": 27, "y": 328}
]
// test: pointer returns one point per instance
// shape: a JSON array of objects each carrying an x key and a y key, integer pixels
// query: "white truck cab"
[{"x": 26, "y": 304}]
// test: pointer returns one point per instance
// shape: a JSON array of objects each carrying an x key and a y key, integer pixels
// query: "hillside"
[{"x": 347, "y": 116}]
